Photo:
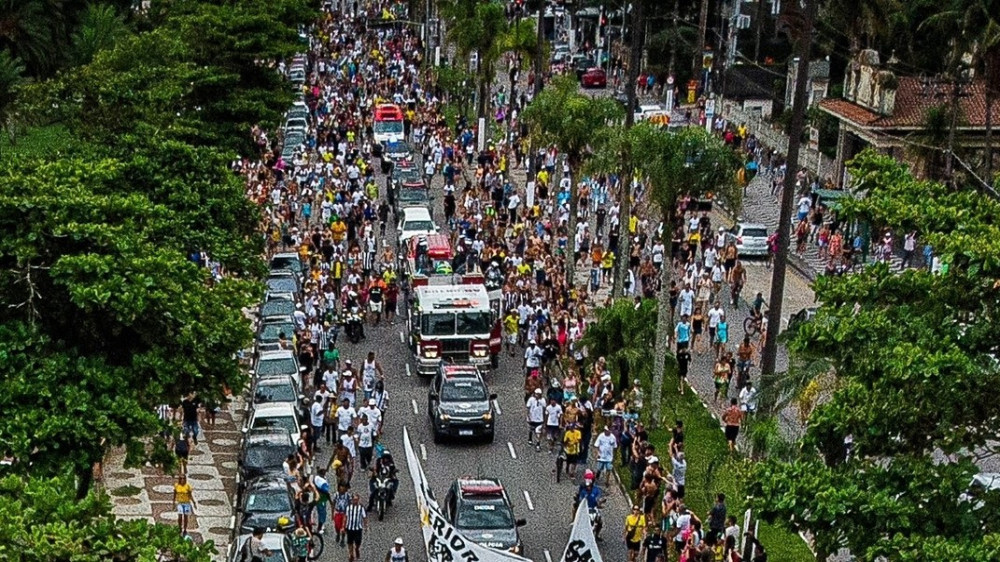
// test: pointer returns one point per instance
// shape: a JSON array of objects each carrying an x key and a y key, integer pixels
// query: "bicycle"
[{"x": 753, "y": 325}]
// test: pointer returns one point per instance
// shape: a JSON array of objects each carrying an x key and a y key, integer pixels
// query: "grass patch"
[
  {"x": 125, "y": 491},
  {"x": 711, "y": 469},
  {"x": 36, "y": 142}
]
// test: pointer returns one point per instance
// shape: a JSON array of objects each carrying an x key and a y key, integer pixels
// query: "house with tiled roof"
[{"x": 890, "y": 113}]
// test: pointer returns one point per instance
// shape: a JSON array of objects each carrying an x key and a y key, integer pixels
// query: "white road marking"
[
  {"x": 423, "y": 452},
  {"x": 510, "y": 447},
  {"x": 527, "y": 499},
  {"x": 414, "y": 402},
  {"x": 407, "y": 369},
  {"x": 401, "y": 339},
  {"x": 548, "y": 557},
  {"x": 496, "y": 406}
]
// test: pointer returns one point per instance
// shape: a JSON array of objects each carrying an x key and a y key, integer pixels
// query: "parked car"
[
  {"x": 264, "y": 501},
  {"x": 263, "y": 452},
  {"x": 750, "y": 239},
  {"x": 276, "y": 363},
  {"x": 481, "y": 510},
  {"x": 460, "y": 404},
  {"x": 271, "y": 329},
  {"x": 279, "y": 544},
  {"x": 276, "y": 309},
  {"x": 594, "y": 78},
  {"x": 279, "y": 416},
  {"x": 287, "y": 260}
]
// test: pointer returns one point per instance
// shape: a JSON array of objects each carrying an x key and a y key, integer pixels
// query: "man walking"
[
  {"x": 356, "y": 521},
  {"x": 536, "y": 416}
]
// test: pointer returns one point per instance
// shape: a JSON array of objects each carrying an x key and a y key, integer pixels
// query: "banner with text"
[
  {"x": 443, "y": 541},
  {"x": 582, "y": 545}
]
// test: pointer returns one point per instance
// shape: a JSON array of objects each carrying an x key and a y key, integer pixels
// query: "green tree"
[
  {"x": 687, "y": 163},
  {"x": 912, "y": 353},
  {"x": 40, "y": 521},
  {"x": 11, "y": 80},
  {"x": 99, "y": 29},
  {"x": 30, "y": 30},
  {"x": 575, "y": 123},
  {"x": 622, "y": 336}
]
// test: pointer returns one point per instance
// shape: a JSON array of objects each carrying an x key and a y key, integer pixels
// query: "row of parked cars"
[{"x": 276, "y": 405}]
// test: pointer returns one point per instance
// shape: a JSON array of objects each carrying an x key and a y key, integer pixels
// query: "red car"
[{"x": 594, "y": 78}]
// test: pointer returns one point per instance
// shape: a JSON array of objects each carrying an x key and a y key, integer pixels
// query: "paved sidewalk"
[{"x": 147, "y": 493}]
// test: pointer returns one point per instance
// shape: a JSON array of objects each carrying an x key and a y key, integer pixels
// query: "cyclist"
[{"x": 757, "y": 307}]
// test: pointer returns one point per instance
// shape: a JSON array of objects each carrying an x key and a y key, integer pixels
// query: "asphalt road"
[{"x": 526, "y": 474}]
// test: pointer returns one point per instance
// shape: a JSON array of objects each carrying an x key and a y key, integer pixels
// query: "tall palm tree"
[
  {"x": 863, "y": 21},
  {"x": 692, "y": 162},
  {"x": 100, "y": 27},
  {"x": 575, "y": 123}
]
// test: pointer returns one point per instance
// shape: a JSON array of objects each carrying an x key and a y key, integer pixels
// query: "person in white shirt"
[
  {"x": 605, "y": 444},
  {"x": 365, "y": 434},
  {"x": 748, "y": 398},
  {"x": 686, "y": 300},
  {"x": 715, "y": 314},
  {"x": 374, "y": 415},
  {"x": 317, "y": 416},
  {"x": 346, "y": 417},
  {"x": 553, "y": 420},
  {"x": 536, "y": 417}
]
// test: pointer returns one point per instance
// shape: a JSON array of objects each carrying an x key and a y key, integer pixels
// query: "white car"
[
  {"x": 647, "y": 111},
  {"x": 750, "y": 239},
  {"x": 278, "y": 543},
  {"x": 279, "y": 416},
  {"x": 415, "y": 221}
]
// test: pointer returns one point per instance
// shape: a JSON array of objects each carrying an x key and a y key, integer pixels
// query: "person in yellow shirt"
[
  {"x": 571, "y": 446},
  {"x": 633, "y": 224},
  {"x": 510, "y": 328},
  {"x": 607, "y": 264},
  {"x": 339, "y": 230},
  {"x": 184, "y": 502},
  {"x": 635, "y": 527}
]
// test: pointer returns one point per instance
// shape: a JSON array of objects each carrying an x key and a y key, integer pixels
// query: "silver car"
[{"x": 750, "y": 239}]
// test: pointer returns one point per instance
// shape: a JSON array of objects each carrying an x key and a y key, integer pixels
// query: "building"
[
  {"x": 752, "y": 89},
  {"x": 890, "y": 113},
  {"x": 818, "y": 85}
]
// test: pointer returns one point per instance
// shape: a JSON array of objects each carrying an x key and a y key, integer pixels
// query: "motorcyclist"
[
  {"x": 590, "y": 492},
  {"x": 384, "y": 467}
]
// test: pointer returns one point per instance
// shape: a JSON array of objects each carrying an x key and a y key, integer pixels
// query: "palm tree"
[
  {"x": 575, "y": 123},
  {"x": 11, "y": 78},
  {"x": 32, "y": 31},
  {"x": 861, "y": 20},
  {"x": 100, "y": 27},
  {"x": 622, "y": 336},
  {"x": 691, "y": 162}
]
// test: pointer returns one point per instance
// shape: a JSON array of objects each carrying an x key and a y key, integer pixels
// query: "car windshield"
[
  {"x": 412, "y": 195},
  {"x": 470, "y": 323},
  {"x": 392, "y": 127},
  {"x": 270, "y": 332},
  {"x": 398, "y": 148},
  {"x": 442, "y": 324},
  {"x": 277, "y": 308},
  {"x": 282, "y": 284},
  {"x": 411, "y": 226},
  {"x": 267, "y": 454},
  {"x": 274, "y": 393},
  {"x": 286, "y": 423},
  {"x": 409, "y": 176},
  {"x": 491, "y": 515},
  {"x": 286, "y": 263},
  {"x": 276, "y": 366},
  {"x": 755, "y": 233},
  {"x": 463, "y": 391},
  {"x": 271, "y": 500}
]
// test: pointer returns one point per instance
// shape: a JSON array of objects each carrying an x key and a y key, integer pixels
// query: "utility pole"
[
  {"x": 702, "y": 28},
  {"x": 770, "y": 353}
]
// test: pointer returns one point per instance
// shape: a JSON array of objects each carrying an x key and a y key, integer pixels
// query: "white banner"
[
  {"x": 443, "y": 541},
  {"x": 582, "y": 545}
]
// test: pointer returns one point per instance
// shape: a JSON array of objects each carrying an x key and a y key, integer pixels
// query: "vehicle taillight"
[
  {"x": 479, "y": 349},
  {"x": 430, "y": 349}
]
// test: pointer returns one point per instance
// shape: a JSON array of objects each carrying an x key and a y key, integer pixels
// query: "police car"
[
  {"x": 481, "y": 510},
  {"x": 459, "y": 403}
]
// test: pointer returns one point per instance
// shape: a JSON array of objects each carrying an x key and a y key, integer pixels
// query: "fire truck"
[{"x": 454, "y": 323}]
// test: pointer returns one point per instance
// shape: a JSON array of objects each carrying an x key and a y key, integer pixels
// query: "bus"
[{"x": 388, "y": 125}]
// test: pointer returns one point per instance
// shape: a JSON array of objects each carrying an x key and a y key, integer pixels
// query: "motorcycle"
[{"x": 382, "y": 492}]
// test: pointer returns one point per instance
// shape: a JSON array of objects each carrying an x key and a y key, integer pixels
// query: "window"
[
  {"x": 438, "y": 324},
  {"x": 492, "y": 515},
  {"x": 287, "y": 423},
  {"x": 415, "y": 225},
  {"x": 269, "y": 501},
  {"x": 388, "y": 127},
  {"x": 463, "y": 391},
  {"x": 471, "y": 323}
]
